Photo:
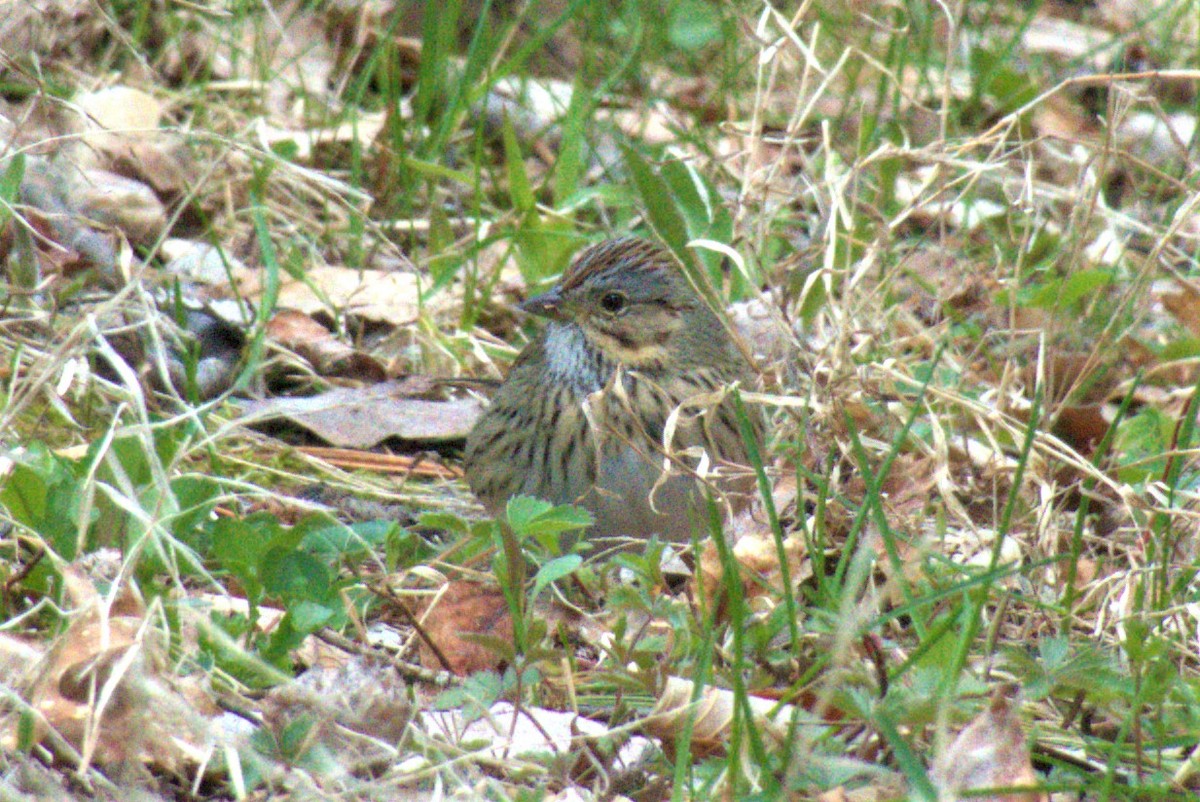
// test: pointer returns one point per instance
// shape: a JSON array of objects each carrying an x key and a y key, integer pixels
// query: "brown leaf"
[
  {"x": 123, "y": 203},
  {"x": 117, "y": 112},
  {"x": 1184, "y": 306},
  {"x": 373, "y": 295},
  {"x": 990, "y": 752},
  {"x": 298, "y": 59},
  {"x": 103, "y": 687},
  {"x": 1062, "y": 118},
  {"x": 325, "y": 352},
  {"x": 1081, "y": 427},
  {"x": 757, "y": 556},
  {"x": 363, "y": 417},
  {"x": 1080, "y": 376},
  {"x": 908, "y": 487},
  {"x": 308, "y": 141},
  {"x": 465, "y": 608},
  {"x": 161, "y": 162},
  {"x": 713, "y": 718}
]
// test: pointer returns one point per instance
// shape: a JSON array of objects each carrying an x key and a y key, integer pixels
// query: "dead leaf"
[
  {"x": 508, "y": 733},
  {"x": 1128, "y": 15},
  {"x": 464, "y": 608},
  {"x": 1080, "y": 376},
  {"x": 122, "y": 203},
  {"x": 17, "y": 655},
  {"x": 990, "y": 752},
  {"x": 161, "y": 161},
  {"x": 907, "y": 489},
  {"x": 1082, "y": 427},
  {"x": 49, "y": 29},
  {"x": 757, "y": 557},
  {"x": 373, "y": 295},
  {"x": 1062, "y": 117},
  {"x": 103, "y": 687},
  {"x": 713, "y": 714},
  {"x": 885, "y": 788},
  {"x": 307, "y": 141},
  {"x": 363, "y": 417},
  {"x": 328, "y": 355},
  {"x": 302, "y": 61},
  {"x": 117, "y": 112},
  {"x": 1067, "y": 40},
  {"x": 1184, "y": 306},
  {"x": 835, "y": 795}
]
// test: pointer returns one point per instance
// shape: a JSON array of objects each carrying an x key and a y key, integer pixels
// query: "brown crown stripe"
[{"x": 626, "y": 254}]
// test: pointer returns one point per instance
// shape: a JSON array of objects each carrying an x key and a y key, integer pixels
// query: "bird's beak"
[{"x": 548, "y": 304}]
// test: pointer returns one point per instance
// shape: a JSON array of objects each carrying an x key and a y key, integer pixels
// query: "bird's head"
[{"x": 630, "y": 300}]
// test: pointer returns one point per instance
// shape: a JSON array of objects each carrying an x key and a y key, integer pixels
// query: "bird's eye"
[{"x": 614, "y": 302}]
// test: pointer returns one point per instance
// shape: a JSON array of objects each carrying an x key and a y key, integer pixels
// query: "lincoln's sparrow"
[{"x": 581, "y": 416}]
